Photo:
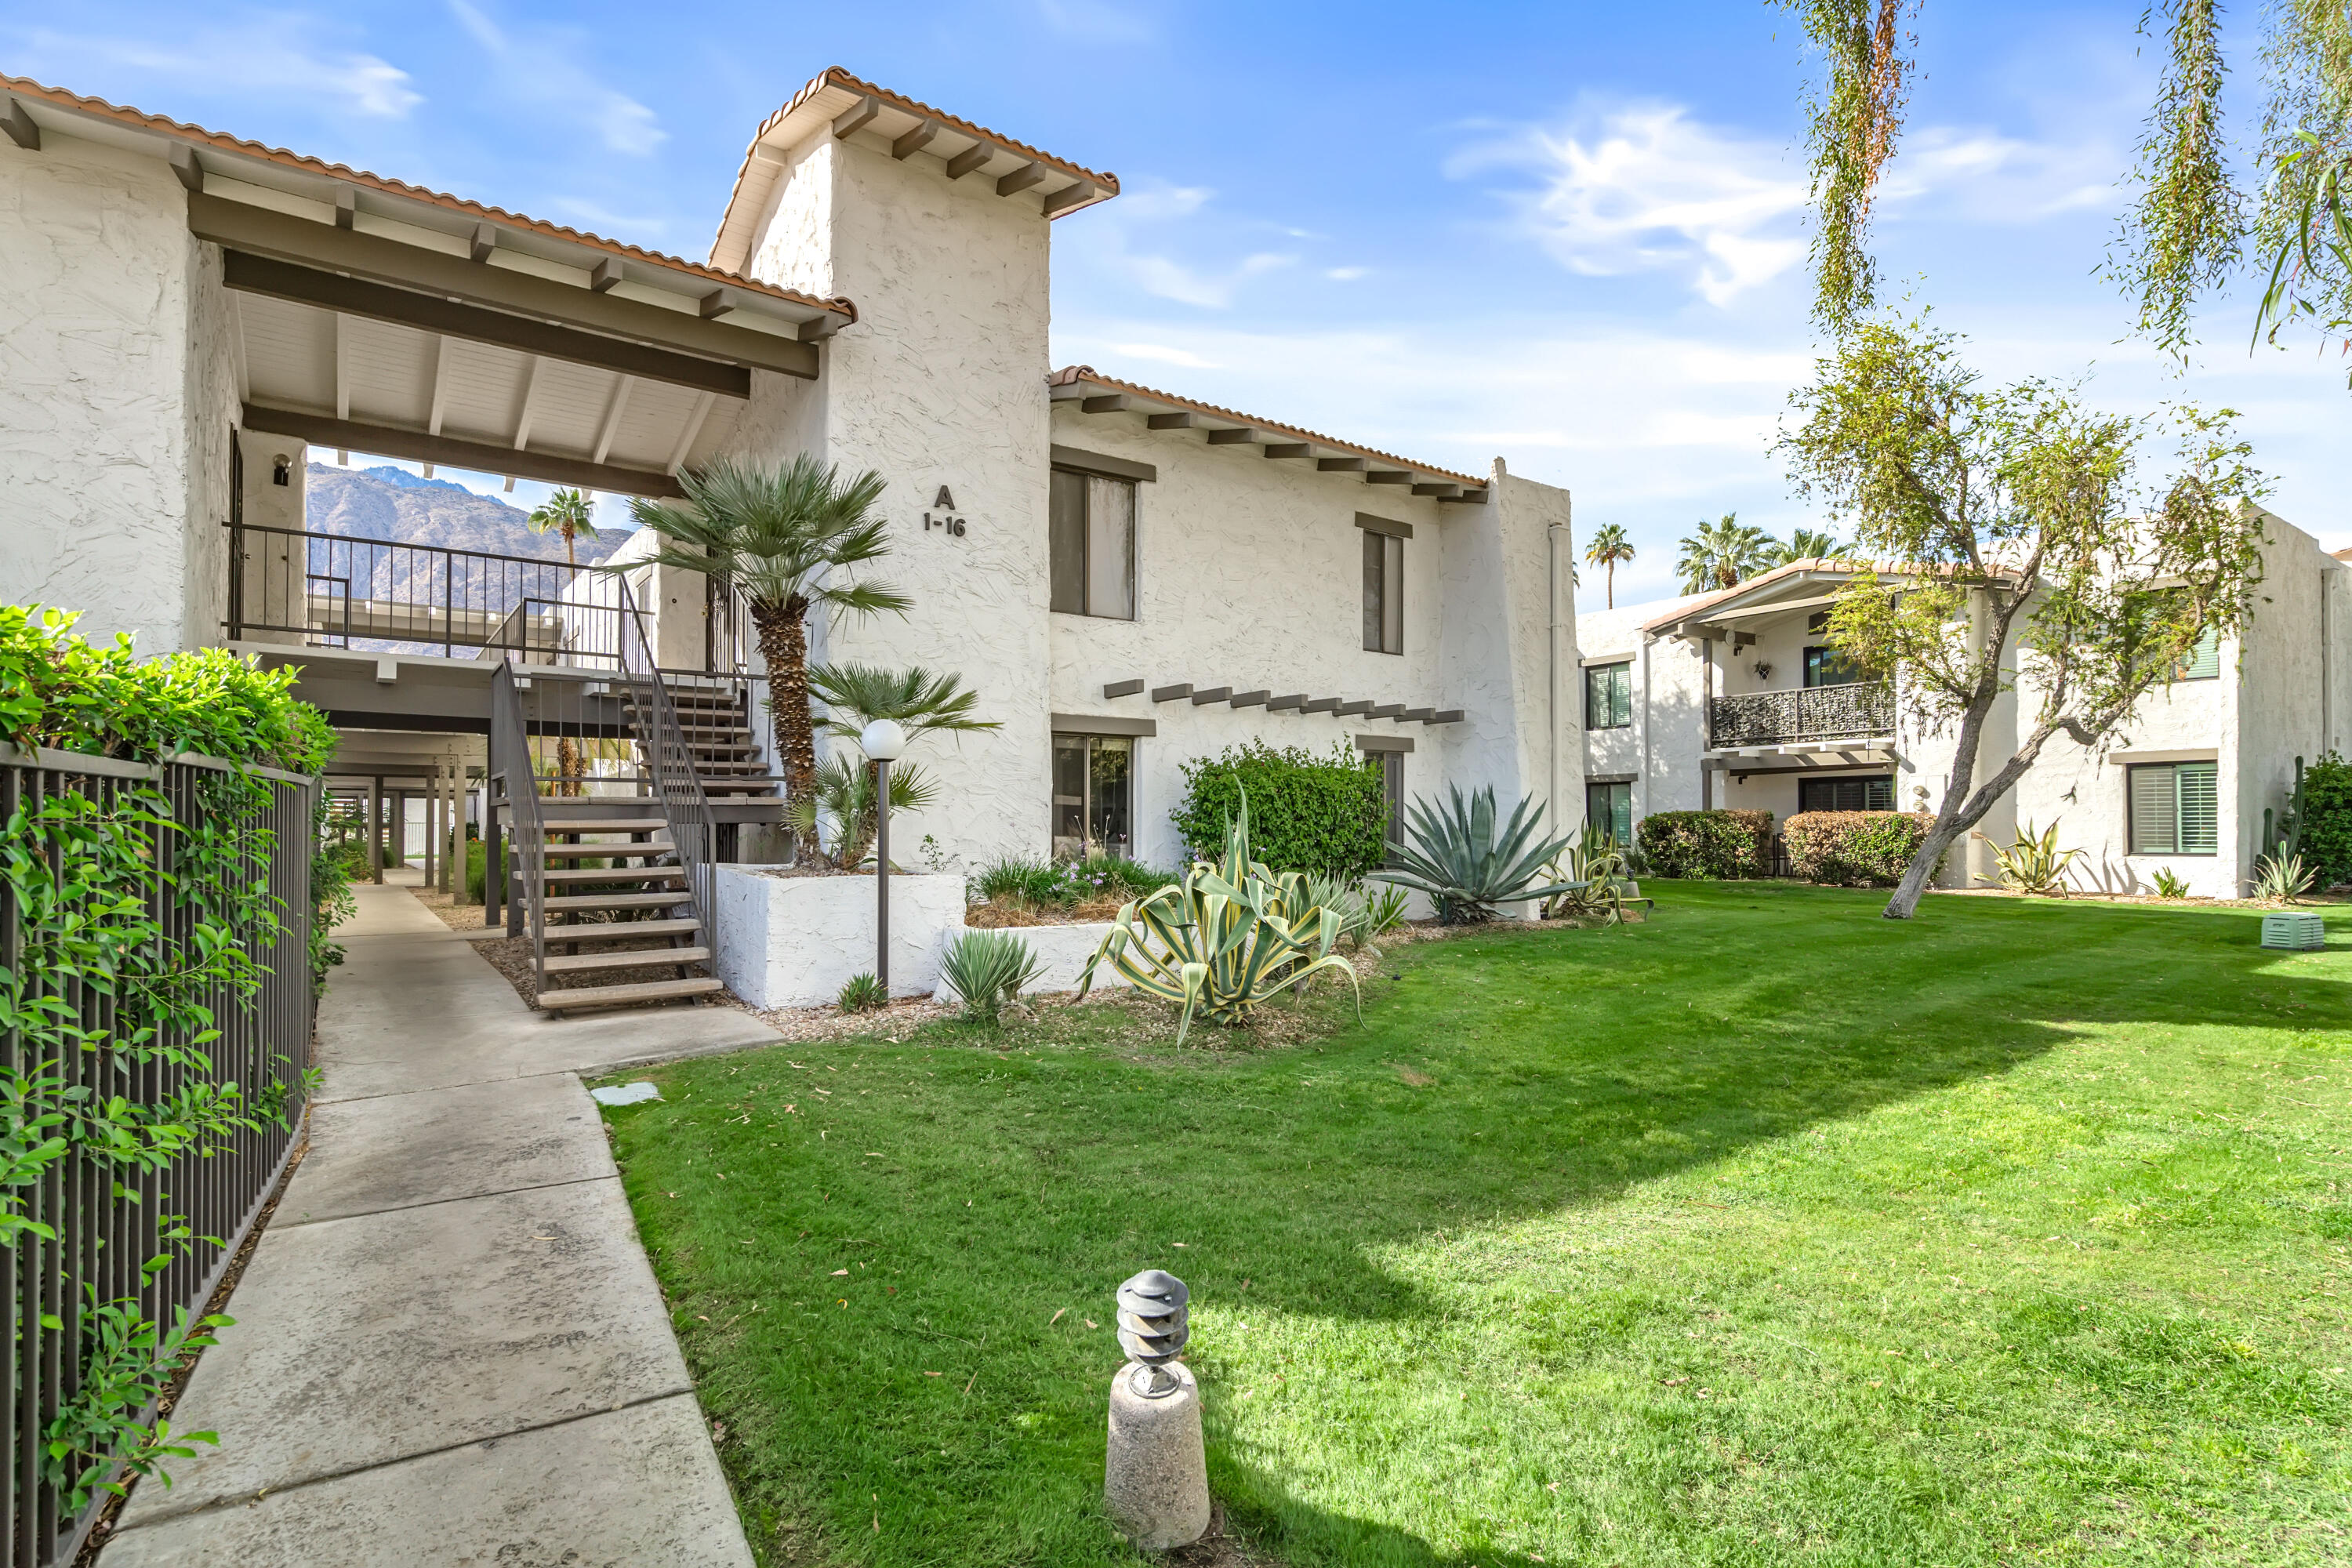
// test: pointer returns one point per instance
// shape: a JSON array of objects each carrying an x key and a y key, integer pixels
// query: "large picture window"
[
  {"x": 1830, "y": 666},
  {"x": 1609, "y": 808},
  {"x": 1383, "y": 593},
  {"x": 1091, "y": 538},
  {"x": 1093, "y": 783},
  {"x": 1868, "y": 792},
  {"x": 2173, "y": 808},
  {"x": 1608, "y": 696}
]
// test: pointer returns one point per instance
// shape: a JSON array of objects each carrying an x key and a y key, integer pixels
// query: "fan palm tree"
[
  {"x": 1605, "y": 549},
  {"x": 782, "y": 538},
  {"x": 1808, "y": 544},
  {"x": 855, "y": 695},
  {"x": 1720, "y": 554},
  {"x": 566, "y": 512}
]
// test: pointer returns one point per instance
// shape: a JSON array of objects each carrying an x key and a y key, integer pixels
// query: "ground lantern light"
[{"x": 883, "y": 741}]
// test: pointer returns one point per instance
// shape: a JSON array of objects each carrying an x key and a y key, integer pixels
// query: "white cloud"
[
  {"x": 268, "y": 58},
  {"x": 1346, "y": 274},
  {"x": 539, "y": 67},
  {"x": 1134, "y": 237}
]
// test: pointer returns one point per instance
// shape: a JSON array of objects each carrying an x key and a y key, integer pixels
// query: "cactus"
[{"x": 2282, "y": 830}]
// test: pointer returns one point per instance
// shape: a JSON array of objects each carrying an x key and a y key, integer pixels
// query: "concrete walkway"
[{"x": 449, "y": 1348}]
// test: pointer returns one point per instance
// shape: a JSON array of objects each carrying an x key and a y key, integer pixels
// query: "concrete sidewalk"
[{"x": 449, "y": 1348}]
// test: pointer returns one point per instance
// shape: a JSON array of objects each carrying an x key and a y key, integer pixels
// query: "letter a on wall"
[{"x": 946, "y": 502}]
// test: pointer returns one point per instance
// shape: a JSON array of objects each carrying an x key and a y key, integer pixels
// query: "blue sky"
[{"x": 1569, "y": 235}]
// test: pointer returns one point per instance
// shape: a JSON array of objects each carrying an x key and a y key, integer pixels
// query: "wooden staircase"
[
  {"x": 640, "y": 898},
  {"x": 717, "y": 723}
]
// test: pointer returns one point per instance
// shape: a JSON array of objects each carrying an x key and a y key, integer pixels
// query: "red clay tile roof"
[
  {"x": 1071, "y": 375},
  {"x": 197, "y": 135}
]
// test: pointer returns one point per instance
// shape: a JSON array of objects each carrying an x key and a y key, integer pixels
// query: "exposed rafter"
[{"x": 610, "y": 425}]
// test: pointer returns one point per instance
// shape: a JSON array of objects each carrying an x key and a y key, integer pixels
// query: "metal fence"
[
  {"x": 1861, "y": 710},
  {"x": 102, "y": 1237}
]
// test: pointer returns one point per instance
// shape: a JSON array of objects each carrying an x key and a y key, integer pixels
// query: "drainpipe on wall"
[{"x": 1551, "y": 557}]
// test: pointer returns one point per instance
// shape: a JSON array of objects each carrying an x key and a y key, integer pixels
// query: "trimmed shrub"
[
  {"x": 1724, "y": 845},
  {"x": 2326, "y": 844},
  {"x": 1854, "y": 849},
  {"x": 1326, "y": 815}
]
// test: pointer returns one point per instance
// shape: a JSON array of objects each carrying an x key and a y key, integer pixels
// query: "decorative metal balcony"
[{"x": 1858, "y": 711}]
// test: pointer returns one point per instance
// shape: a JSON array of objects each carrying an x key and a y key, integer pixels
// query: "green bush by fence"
[
  {"x": 1854, "y": 849},
  {"x": 2327, "y": 819},
  {"x": 1724, "y": 845},
  {"x": 1326, "y": 813}
]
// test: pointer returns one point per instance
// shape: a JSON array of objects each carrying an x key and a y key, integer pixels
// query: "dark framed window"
[
  {"x": 1383, "y": 593},
  {"x": 2175, "y": 807},
  {"x": 1610, "y": 807},
  {"x": 1093, "y": 796},
  {"x": 1608, "y": 696},
  {"x": 1830, "y": 666},
  {"x": 1866, "y": 792},
  {"x": 1091, "y": 541},
  {"x": 1393, "y": 792}
]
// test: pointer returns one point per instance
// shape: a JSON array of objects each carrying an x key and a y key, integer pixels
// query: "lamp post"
[{"x": 882, "y": 739}]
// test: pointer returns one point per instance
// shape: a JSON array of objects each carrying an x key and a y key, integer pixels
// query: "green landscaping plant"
[
  {"x": 1593, "y": 867},
  {"x": 989, "y": 969},
  {"x": 2282, "y": 879},
  {"x": 2169, "y": 884},
  {"x": 1722, "y": 844},
  {"x": 1465, "y": 863},
  {"x": 2327, "y": 819},
  {"x": 2035, "y": 864},
  {"x": 1027, "y": 882},
  {"x": 842, "y": 800},
  {"x": 1854, "y": 849},
  {"x": 1309, "y": 813},
  {"x": 862, "y": 994},
  {"x": 1229, "y": 938}
]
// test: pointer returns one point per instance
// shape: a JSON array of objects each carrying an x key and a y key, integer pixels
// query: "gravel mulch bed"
[{"x": 512, "y": 956}]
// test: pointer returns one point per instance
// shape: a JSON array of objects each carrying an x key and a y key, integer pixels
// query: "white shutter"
[{"x": 2155, "y": 810}]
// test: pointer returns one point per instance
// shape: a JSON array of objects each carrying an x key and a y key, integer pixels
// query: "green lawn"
[{"x": 1768, "y": 1232}]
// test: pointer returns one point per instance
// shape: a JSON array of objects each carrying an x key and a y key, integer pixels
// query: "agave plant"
[
  {"x": 2035, "y": 864},
  {"x": 2282, "y": 879},
  {"x": 1595, "y": 871},
  {"x": 989, "y": 969},
  {"x": 1225, "y": 940},
  {"x": 862, "y": 994},
  {"x": 1466, "y": 865}
]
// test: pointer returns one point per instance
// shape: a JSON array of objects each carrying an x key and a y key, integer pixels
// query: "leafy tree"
[
  {"x": 567, "y": 513},
  {"x": 2021, "y": 511},
  {"x": 784, "y": 539},
  {"x": 1605, "y": 549},
  {"x": 1808, "y": 544},
  {"x": 1721, "y": 555},
  {"x": 1854, "y": 117}
]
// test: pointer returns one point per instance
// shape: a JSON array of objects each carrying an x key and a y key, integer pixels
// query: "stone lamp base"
[{"x": 1156, "y": 1476}]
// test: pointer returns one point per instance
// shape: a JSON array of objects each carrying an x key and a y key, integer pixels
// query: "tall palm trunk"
[
  {"x": 1611, "y": 569},
  {"x": 783, "y": 645}
]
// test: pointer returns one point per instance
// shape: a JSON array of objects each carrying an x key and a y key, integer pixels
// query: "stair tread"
[
  {"x": 571, "y": 901},
  {"x": 617, "y": 931},
  {"x": 624, "y": 874},
  {"x": 604, "y": 823},
  {"x": 632, "y": 851},
  {"x": 634, "y": 958},
  {"x": 619, "y": 995}
]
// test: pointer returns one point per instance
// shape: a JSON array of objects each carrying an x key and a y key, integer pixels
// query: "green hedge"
[
  {"x": 2327, "y": 819},
  {"x": 1724, "y": 845},
  {"x": 1326, "y": 815},
  {"x": 1854, "y": 849}
]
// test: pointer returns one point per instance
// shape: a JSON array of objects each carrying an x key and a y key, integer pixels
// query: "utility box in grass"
[{"x": 2299, "y": 931}]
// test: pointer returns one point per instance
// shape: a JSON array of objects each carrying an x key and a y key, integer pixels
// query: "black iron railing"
[
  {"x": 1863, "y": 710},
  {"x": 103, "y": 1219}
]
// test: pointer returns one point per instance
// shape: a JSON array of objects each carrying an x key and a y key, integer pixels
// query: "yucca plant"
[
  {"x": 1466, "y": 863},
  {"x": 2035, "y": 864},
  {"x": 1594, "y": 870},
  {"x": 863, "y": 994},
  {"x": 1383, "y": 911},
  {"x": 2169, "y": 883},
  {"x": 2282, "y": 879},
  {"x": 1225, "y": 940},
  {"x": 989, "y": 969}
]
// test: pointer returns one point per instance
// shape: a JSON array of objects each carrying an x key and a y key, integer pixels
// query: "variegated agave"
[{"x": 1225, "y": 939}]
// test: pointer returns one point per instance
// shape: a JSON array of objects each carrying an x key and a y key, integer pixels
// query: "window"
[
  {"x": 1092, "y": 778},
  {"x": 2204, "y": 660},
  {"x": 1608, "y": 696},
  {"x": 1609, "y": 808},
  {"x": 1872, "y": 792},
  {"x": 1392, "y": 791},
  {"x": 1383, "y": 593},
  {"x": 2173, "y": 808},
  {"x": 1830, "y": 666},
  {"x": 1091, "y": 529}
]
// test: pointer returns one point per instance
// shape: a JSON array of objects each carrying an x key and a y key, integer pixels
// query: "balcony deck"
[{"x": 1863, "y": 710}]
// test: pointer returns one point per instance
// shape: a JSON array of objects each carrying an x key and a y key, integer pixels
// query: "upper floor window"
[
  {"x": 1383, "y": 593},
  {"x": 1830, "y": 666},
  {"x": 2203, "y": 661},
  {"x": 1091, "y": 539},
  {"x": 1608, "y": 696}
]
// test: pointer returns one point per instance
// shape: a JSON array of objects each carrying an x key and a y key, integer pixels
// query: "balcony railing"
[{"x": 1858, "y": 711}]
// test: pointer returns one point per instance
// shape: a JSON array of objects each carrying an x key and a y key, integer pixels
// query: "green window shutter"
[
  {"x": 2155, "y": 810},
  {"x": 1620, "y": 816},
  {"x": 1620, "y": 695},
  {"x": 2204, "y": 660},
  {"x": 2199, "y": 786}
]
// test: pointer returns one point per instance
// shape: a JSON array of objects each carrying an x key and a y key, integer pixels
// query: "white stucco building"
[
  {"x": 1130, "y": 578},
  {"x": 1733, "y": 699}
]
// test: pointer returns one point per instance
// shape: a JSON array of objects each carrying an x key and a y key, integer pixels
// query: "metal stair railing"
[
  {"x": 669, "y": 765},
  {"x": 514, "y": 777}
]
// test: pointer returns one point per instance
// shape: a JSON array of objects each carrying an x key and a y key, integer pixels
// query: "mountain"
[{"x": 391, "y": 503}]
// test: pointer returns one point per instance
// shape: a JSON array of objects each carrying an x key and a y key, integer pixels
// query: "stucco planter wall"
[
  {"x": 794, "y": 942},
  {"x": 1063, "y": 951}
]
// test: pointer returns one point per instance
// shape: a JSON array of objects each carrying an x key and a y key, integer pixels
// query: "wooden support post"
[{"x": 375, "y": 828}]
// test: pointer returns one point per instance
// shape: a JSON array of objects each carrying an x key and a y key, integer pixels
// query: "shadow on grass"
[{"x": 993, "y": 1199}]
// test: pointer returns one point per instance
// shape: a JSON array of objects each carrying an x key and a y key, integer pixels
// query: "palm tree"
[
  {"x": 1806, "y": 545},
  {"x": 855, "y": 695},
  {"x": 1722, "y": 553},
  {"x": 566, "y": 512},
  {"x": 1606, "y": 548},
  {"x": 780, "y": 537}
]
